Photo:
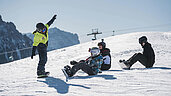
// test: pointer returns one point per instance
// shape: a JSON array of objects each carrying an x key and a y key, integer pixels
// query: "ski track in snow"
[{"x": 19, "y": 78}]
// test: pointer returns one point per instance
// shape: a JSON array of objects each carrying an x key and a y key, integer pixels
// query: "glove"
[
  {"x": 54, "y": 17},
  {"x": 35, "y": 31},
  {"x": 33, "y": 51},
  {"x": 73, "y": 62},
  {"x": 32, "y": 56}
]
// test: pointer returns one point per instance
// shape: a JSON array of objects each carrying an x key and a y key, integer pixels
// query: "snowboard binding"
[
  {"x": 44, "y": 75},
  {"x": 68, "y": 70},
  {"x": 126, "y": 65}
]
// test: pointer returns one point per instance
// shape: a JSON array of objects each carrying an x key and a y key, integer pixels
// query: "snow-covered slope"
[{"x": 19, "y": 77}]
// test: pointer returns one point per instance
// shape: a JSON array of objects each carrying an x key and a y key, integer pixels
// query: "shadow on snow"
[
  {"x": 60, "y": 86},
  {"x": 164, "y": 68},
  {"x": 106, "y": 77},
  {"x": 114, "y": 70}
]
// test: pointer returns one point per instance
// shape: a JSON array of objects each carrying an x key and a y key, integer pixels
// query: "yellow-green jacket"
[{"x": 41, "y": 38}]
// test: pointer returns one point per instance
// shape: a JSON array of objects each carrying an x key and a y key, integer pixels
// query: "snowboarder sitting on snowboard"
[
  {"x": 105, "y": 52},
  {"x": 147, "y": 58},
  {"x": 90, "y": 66},
  {"x": 41, "y": 43}
]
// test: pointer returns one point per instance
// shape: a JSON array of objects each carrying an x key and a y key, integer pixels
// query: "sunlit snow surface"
[{"x": 19, "y": 77}]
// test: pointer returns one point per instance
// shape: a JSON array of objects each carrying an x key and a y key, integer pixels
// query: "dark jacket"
[{"x": 148, "y": 52}]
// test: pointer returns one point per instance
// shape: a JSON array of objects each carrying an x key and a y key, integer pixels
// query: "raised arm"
[{"x": 52, "y": 20}]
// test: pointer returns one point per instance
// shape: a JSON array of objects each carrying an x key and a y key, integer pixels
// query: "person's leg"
[
  {"x": 42, "y": 60},
  {"x": 138, "y": 57},
  {"x": 105, "y": 67},
  {"x": 84, "y": 67},
  {"x": 132, "y": 57}
]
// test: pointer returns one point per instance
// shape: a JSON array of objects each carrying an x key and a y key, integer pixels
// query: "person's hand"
[
  {"x": 73, "y": 62},
  {"x": 89, "y": 49},
  {"x": 32, "y": 55},
  {"x": 54, "y": 16},
  {"x": 33, "y": 51}
]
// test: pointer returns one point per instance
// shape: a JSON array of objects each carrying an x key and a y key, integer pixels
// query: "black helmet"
[
  {"x": 103, "y": 44},
  {"x": 142, "y": 39},
  {"x": 40, "y": 26}
]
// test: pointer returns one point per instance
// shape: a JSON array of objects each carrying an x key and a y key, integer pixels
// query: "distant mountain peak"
[
  {"x": 11, "y": 40},
  {"x": 1, "y": 19},
  {"x": 11, "y": 25}
]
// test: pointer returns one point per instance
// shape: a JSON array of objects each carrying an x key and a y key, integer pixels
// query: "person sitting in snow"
[
  {"x": 147, "y": 58},
  {"x": 90, "y": 66},
  {"x": 41, "y": 43},
  {"x": 105, "y": 52}
]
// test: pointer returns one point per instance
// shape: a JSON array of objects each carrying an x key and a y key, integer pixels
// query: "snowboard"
[
  {"x": 65, "y": 74},
  {"x": 44, "y": 76},
  {"x": 122, "y": 65}
]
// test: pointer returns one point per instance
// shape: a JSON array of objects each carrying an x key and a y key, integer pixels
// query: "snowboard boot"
[
  {"x": 68, "y": 70},
  {"x": 43, "y": 74},
  {"x": 120, "y": 61},
  {"x": 127, "y": 63}
]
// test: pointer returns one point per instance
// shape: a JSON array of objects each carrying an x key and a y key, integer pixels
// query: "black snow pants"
[
  {"x": 105, "y": 67},
  {"x": 141, "y": 58},
  {"x": 42, "y": 50},
  {"x": 84, "y": 67}
]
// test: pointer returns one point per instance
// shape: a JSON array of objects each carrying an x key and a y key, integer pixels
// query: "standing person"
[
  {"x": 41, "y": 44},
  {"x": 90, "y": 66},
  {"x": 147, "y": 58},
  {"x": 105, "y": 52}
]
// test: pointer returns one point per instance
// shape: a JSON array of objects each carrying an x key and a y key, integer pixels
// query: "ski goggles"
[
  {"x": 41, "y": 30},
  {"x": 95, "y": 51}
]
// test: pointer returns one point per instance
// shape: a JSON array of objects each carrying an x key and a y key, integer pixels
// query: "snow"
[{"x": 19, "y": 77}]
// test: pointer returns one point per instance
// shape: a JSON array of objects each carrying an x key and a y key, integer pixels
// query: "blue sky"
[{"x": 80, "y": 16}]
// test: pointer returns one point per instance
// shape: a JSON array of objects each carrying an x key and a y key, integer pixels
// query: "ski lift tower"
[
  {"x": 113, "y": 33},
  {"x": 94, "y": 32}
]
